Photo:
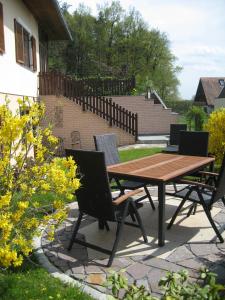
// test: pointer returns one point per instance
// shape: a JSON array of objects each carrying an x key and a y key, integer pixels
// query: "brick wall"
[
  {"x": 152, "y": 118},
  {"x": 67, "y": 117}
]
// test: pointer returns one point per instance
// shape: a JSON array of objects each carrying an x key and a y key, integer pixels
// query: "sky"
[{"x": 195, "y": 28}]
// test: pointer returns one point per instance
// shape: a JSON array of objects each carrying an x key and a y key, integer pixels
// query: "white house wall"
[{"x": 14, "y": 78}]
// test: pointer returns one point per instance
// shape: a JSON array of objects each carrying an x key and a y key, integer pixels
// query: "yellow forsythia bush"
[
  {"x": 28, "y": 173},
  {"x": 216, "y": 127}
]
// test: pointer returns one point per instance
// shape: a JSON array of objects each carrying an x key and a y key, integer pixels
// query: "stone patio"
[{"x": 186, "y": 248}]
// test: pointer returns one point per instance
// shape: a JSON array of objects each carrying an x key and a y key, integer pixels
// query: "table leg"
[{"x": 161, "y": 219}]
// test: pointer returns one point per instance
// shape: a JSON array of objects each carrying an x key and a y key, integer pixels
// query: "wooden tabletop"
[{"x": 160, "y": 167}]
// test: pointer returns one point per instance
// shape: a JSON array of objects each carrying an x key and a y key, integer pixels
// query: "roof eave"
[{"x": 50, "y": 18}]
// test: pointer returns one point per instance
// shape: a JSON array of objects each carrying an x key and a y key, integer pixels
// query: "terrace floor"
[{"x": 190, "y": 244}]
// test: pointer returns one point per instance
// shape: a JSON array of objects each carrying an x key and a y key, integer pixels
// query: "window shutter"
[
  {"x": 2, "y": 40},
  {"x": 19, "y": 42},
  {"x": 33, "y": 47}
]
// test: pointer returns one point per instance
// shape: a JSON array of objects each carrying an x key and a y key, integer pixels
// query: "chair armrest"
[
  {"x": 196, "y": 183},
  {"x": 122, "y": 198},
  {"x": 208, "y": 173}
]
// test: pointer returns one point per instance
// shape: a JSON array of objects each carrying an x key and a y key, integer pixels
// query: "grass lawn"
[
  {"x": 131, "y": 154},
  {"x": 34, "y": 283}
]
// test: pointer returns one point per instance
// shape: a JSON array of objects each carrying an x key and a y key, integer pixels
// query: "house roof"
[
  {"x": 222, "y": 94},
  {"x": 209, "y": 88},
  {"x": 50, "y": 18}
]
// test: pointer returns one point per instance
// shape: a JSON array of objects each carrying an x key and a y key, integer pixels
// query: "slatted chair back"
[
  {"x": 107, "y": 144},
  {"x": 175, "y": 133},
  {"x": 193, "y": 143},
  {"x": 220, "y": 183},
  {"x": 94, "y": 196}
]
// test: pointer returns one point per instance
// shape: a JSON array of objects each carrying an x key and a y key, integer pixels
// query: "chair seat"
[
  {"x": 130, "y": 185},
  {"x": 207, "y": 195}
]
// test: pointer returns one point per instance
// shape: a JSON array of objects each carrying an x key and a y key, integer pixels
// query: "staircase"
[{"x": 87, "y": 94}]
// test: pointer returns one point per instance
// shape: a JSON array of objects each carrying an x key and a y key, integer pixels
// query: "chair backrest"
[
  {"x": 94, "y": 196},
  {"x": 175, "y": 133},
  {"x": 193, "y": 143},
  {"x": 107, "y": 144},
  {"x": 220, "y": 183}
]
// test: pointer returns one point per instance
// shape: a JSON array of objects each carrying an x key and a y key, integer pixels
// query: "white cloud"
[{"x": 199, "y": 50}]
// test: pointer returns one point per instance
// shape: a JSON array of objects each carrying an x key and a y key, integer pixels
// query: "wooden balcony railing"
[{"x": 54, "y": 81}]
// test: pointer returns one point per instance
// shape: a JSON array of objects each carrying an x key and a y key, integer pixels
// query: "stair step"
[{"x": 153, "y": 139}]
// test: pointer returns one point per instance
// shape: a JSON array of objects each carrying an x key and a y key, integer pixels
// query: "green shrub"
[
  {"x": 181, "y": 106},
  {"x": 176, "y": 286},
  {"x": 216, "y": 127},
  {"x": 196, "y": 115}
]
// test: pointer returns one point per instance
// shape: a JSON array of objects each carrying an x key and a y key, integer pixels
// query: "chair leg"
[
  {"x": 132, "y": 217},
  {"x": 149, "y": 197},
  {"x": 175, "y": 187},
  {"x": 76, "y": 228},
  {"x": 118, "y": 235},
  {"x": 176, "y": 213},
  {"x": 193, "y": 209},
  {"x": 103, "y": 224},
  {"x": 122, "y": 191},
  {"x": 139, "y": 222},
  {"x": 208, "y": 214}
]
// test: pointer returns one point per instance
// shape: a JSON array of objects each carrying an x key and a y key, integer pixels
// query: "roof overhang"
[{"x": 49, "y": 18}]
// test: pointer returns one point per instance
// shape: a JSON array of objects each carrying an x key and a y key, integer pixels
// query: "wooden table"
[{"x": 159, "y": 169}]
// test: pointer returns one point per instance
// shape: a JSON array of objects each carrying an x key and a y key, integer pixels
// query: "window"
[
  {"x": 25, "y": 47},
  {"x": 2, "y": 40}
]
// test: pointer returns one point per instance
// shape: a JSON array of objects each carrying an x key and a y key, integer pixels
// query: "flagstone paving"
[{"x": 145, "y": 269}]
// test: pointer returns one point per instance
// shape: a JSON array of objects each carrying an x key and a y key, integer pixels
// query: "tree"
[{"x": 119, "y": 44}]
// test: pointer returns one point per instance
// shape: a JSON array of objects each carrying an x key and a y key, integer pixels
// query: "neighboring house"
[
  {"x": 220, "y": 101},
  {"x": 25, "y": 29},
  {"x": 208, "y": 91}
]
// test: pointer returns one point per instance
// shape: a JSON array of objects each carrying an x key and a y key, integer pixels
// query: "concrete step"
[{"x": 153, "y": 139}]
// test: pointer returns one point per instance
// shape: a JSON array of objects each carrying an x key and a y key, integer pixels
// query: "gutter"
[{"x": 59, "y": 12}]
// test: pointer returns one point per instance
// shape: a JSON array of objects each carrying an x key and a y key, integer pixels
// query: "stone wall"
[
  {"x": 152, "y": 118},
  {"x": 67, "y": 117}
]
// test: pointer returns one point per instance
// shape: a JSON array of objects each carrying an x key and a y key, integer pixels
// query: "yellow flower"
[
  {"x": 45, "y": 186},
  {"x": 5, "y": 200},
  {"x": 23, "y": 204},
  {"x": 52, "y": 139}
]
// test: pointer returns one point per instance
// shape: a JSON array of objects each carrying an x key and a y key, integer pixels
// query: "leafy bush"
[
  {"x": 175, "y": 286},
  {"x": 196, "y": 115},
  {"x": 216, "y": 127},
  {"x": 27, "y": 169},
  {"x": 181, "y": 106}
]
